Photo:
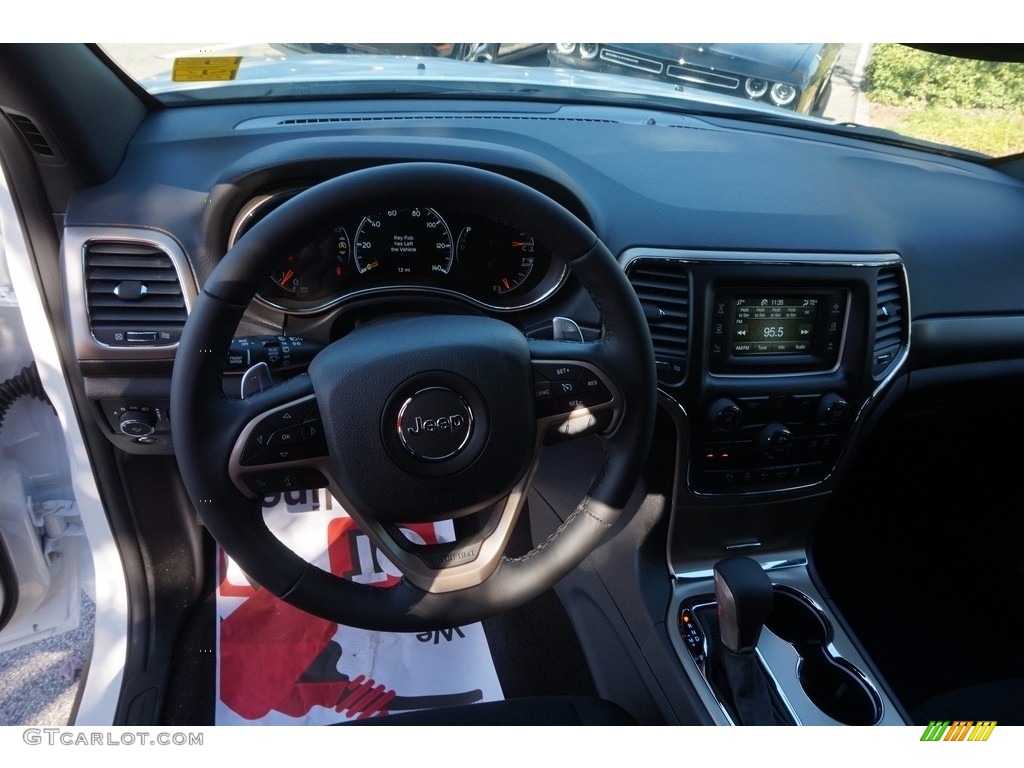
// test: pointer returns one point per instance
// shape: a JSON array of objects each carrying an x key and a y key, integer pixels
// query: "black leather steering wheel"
[{"x": 423, "y": 418}]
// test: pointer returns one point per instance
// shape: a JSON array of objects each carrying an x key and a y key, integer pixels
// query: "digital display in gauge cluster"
[{"x": 487, "y": 262}]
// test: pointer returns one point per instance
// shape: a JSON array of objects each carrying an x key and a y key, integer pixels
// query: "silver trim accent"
[
  {"x": 437, "y": 580},
  {"x": 255, "y": 379},
  {"x": 779, "y": 657},
  {"x": 250, "y": 208},
  {"x": 73, "y": 253},
  {"x": 566, "y": 329}
]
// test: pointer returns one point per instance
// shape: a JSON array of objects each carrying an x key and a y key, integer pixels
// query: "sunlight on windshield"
[{"x": 971, "y": 105}]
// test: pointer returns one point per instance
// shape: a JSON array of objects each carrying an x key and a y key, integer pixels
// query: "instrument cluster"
[{"x": 486, "y": 262}]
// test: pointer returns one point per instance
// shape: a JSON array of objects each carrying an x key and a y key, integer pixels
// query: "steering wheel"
[{"x": 415, "y": 418}]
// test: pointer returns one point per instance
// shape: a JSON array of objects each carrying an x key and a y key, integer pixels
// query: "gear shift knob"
[{"x": 744, "y": 594}]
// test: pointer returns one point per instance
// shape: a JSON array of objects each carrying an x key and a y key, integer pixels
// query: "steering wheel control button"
[
  {"x": 290, "y": 434},
  {"x": 435, "y": 424},
  {"x": 561, "y": 388},
  {"x": 276, "y": 481},
  {"x": 558, "y": 371}
]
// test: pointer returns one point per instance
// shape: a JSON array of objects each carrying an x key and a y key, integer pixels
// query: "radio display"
[
  {"x": 773, "y": 325},
  {"x": 776, "y": 330}
]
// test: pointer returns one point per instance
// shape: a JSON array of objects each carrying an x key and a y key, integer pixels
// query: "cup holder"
[{"x": 834, "y": 685}]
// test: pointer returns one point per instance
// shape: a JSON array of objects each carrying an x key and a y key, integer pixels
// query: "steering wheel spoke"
[
  {"x": 573, "y": 394},
  {"x": 479, "y": 545},
  {"x": 281, "y": 445}
]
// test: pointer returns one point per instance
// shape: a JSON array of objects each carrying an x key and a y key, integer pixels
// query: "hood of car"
[{"x": 290, "y": 76}]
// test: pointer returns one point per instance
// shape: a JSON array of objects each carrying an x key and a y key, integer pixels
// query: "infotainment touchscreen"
[
  {"x": 773, "y": 325},
  {"x": 784, "y": 330}
]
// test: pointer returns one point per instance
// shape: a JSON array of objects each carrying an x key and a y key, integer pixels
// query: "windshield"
[{"x": 967, "y": 105}]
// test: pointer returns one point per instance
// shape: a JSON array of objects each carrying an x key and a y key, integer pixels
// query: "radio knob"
[
  {"x": 833, "y": 409},
  {"x": 724, "y": 415},
  {"x": 775, "y": 441},
  {"x": 136, "y": 423}
]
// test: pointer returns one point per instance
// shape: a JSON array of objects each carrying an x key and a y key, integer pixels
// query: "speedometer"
[{"x": 411, "y": 242}]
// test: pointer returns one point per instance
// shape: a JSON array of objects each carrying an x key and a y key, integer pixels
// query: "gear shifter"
[{"x": 744, "y": 595}]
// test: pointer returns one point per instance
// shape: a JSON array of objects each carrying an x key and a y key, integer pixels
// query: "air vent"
[
  {"x": 134, "y": 295},
  {"x": 663, "y": 287},
  {"x": 889, "y": 320},
  {"x": 32, "y": 134}
]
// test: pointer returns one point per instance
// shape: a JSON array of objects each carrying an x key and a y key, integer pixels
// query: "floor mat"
[{"x": 279, "y": 665}]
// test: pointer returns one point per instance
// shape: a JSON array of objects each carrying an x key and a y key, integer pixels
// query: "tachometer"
[{"x": 413, "y": 242}]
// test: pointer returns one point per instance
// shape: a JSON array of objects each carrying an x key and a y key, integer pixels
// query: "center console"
[{"x": 770, "y": 364}]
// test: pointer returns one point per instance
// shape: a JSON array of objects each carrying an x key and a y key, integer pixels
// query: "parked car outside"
[{"x": 794, "y": 76}]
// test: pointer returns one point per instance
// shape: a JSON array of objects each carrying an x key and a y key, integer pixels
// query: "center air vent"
[
  {"x": 663, "y": 287},
  {"x": 134, "y": 295},
  {"x": 889, "y": 320}
]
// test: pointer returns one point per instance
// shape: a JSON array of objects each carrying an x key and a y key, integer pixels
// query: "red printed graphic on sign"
[{"x": 276, "y": 658}]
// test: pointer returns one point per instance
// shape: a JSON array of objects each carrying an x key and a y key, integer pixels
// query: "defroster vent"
[
  {"x": 134, "y": 295},
  {"x": 663, "y": 287}
]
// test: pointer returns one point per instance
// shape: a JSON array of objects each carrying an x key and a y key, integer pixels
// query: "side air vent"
[
  {"x": 663, "y": 287},
  {"x": 890, "y": 320},
  {"x": 32, "y": 135},
  {"x": 134, "y": 295}
]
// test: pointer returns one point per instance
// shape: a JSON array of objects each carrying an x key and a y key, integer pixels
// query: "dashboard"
[{"x": 777, "y": 268}]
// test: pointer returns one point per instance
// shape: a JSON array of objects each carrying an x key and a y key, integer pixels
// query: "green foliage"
[
  {"x": 903, "y": 76},
  {"x": 993, "y": 132}
]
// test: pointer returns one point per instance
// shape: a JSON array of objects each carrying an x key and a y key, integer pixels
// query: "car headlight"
[
  {"x": 588, "y": 50},
  {"x": 565, "y": 49},
  {"x": 755, "y": 87},
  {"x": 783, "y": 94}
]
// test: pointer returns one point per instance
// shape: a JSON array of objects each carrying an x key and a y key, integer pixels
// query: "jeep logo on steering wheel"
[{"x": 435, "y": 424}]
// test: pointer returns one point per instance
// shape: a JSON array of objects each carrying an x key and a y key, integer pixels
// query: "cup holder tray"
[{"x": 834, "y": 685}]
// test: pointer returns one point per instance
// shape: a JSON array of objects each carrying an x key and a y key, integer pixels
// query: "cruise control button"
[
  {"x": 564, "y": 388},
  {"x": 594, "y": 386},
  {"x": 558, "y": 371}
]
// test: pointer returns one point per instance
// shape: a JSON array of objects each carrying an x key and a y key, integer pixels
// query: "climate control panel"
[{"x": 765, "y": 442}]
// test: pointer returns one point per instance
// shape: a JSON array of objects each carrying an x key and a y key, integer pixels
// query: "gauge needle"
[
  {"x": 287, "y": 276},
  {"x": 505, "y": 282}
]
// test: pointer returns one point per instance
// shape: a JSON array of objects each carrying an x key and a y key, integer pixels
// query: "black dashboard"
[{"x": 817, "y": 246}]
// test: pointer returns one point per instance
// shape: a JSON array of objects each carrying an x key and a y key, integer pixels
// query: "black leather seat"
[{"x": 1002, "y": 701}]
